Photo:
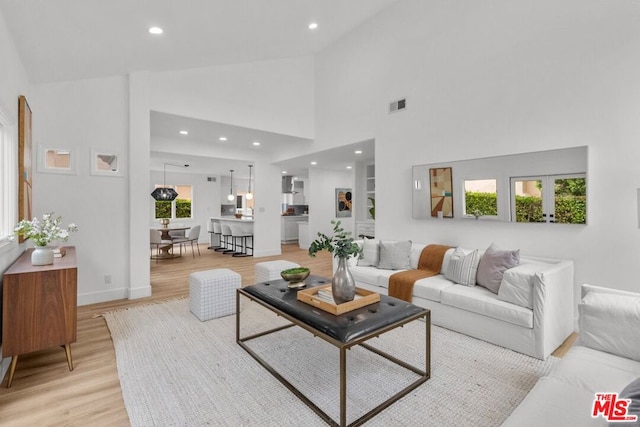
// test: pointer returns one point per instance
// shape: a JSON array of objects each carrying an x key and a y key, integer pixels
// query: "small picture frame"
[
  {"x": 58, "y": 159},
  {"x": 344, "y": 205},
  {"x": 107, "y": 163}
]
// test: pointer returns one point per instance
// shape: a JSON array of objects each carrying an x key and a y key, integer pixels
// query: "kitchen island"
[
  {"x": 246, "y": 224},
  {"x": 289, "y": 227}
]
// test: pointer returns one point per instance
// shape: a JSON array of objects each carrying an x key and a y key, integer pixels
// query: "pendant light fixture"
[
  {"x": 164, "y": 193},
  {"x": 231, "y": 197},
  {"x": 249, "y": 195}
]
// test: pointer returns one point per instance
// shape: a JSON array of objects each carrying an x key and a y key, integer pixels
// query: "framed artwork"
[
  {"x": 441, "y": 185},
  {"x": 25, "y": 156},
  {"x": 62, "y": 160},
  {"x": 343, "y": 202},
  {"x": 106, "y": 163}
]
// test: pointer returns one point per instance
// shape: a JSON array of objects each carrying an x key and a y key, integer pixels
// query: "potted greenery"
[{"x": 342, "y": 246}]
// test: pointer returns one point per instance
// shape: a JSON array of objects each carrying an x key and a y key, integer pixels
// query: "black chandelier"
[{"x": 164, "y": 193}]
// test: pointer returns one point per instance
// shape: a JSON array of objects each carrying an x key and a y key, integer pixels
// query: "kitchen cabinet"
[
  {"x": 39, "y": 307},
  {"x": 289, "y": 228}
]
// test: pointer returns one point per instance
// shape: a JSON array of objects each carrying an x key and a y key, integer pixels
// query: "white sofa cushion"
[
  {"x": 517, "y": 284},
  {"x": 370, "y": 253},
  {"x": 554, "y": 403},
  {"x": 482, "y": 301},
  {"x": 394, "y": 255},
  {"x": 462, "y": 266},
  {"x": 368, "y": 275},
  {"x": 595, "y": 371},
  {"x": 431, "y": 287},
  {"x": 611, "y": 323}
]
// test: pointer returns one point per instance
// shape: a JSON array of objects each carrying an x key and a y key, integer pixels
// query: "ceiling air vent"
[
  {"x": 398, "y": 105},
  {"x": 211, "y": 179}
]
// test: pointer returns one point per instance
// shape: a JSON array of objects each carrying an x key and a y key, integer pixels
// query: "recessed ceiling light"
[
  {"x": 184, "y": 132},
  {"x": 284, "y": 171},
  {"x": 358, "y": 151},
  {"x": 156, "y": 30},
  {"x": 349, "y": 167},
  {"x": 256, "y": 143},
  {"x": 313, "y": 25},
  {"x": 314, "y": 163},
  {"x": 223, "y": 138}
]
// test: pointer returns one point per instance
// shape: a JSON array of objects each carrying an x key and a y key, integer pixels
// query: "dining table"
[{"x": 166, "y": 251}]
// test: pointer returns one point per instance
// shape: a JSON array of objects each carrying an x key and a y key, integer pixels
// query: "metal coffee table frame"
[{"x": 424, "y": 375}]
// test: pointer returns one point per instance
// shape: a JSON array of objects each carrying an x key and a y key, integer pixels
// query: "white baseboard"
[
  {"x": 95, "y": 297},
  {"x": 273, "y": 252},
  {"x": 139, "y": 292}
]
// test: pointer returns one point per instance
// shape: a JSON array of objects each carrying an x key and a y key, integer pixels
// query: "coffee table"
[{"x": 343, "y": 331}]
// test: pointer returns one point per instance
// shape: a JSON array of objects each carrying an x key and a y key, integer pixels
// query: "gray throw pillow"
[
  {"x": 631, "y": 391},
  {"x": 395, "y": 256},
  {"x": 492, "y": 266}
]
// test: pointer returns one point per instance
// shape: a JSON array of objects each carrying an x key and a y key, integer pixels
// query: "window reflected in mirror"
[{"x": 480, "y": 197}]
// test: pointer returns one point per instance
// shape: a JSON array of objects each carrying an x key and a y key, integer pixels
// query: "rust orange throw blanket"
[{"x": 429, "y": 264}]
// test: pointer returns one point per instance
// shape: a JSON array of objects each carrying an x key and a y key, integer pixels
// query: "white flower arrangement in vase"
[{"x": 42, "y": 232}]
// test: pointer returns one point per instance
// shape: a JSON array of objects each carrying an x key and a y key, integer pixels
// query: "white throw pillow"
[
  {"x": 517, "y": 284},
  {"x": 462, "y": 267},
  {"x": 370, "y": 253},
  {"x": 395, "y": 255},
  {"x": 610, "y": 323}
]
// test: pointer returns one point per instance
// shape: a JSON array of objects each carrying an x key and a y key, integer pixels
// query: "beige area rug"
[{"x": 178, "y": 371}]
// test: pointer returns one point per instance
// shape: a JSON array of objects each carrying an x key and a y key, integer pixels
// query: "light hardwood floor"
[{"x": 45, "y": 393}]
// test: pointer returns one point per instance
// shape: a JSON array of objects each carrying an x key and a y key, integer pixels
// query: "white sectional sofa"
[
  {"x": 606, "y": 359},
  {"x": 536, "y": 325}
]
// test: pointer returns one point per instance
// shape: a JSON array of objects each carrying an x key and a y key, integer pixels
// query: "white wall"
[
  {"x": 492, "y": 78},
  {"x": 87, "y": 114},
  {"x": 275, "y": 96}
]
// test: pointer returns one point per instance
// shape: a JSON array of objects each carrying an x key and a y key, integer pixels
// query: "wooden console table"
[{"x": 39, "y": 307}]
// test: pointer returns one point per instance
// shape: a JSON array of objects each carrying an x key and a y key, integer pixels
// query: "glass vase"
[{"x": 343, "y": 287}]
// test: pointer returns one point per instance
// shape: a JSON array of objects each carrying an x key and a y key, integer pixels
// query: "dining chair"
[
  {"x": 192, "y": 237},
  {"x": 156, "y": 242}
]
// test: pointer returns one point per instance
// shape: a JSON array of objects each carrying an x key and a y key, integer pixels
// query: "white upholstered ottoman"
[
  {"x": 212, "y": 293},
  {"x": 270, "y": 270}
]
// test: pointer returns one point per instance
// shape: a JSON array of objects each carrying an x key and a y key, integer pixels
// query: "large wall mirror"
[{"x": 543, "y": 186}]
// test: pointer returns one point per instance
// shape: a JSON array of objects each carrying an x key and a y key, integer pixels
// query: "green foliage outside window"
[
  {"x": 183, "y": 209},
  {"x": 569, "y": 208},
  {"x": 487, "y": 203},
  {"x": 163, "y": 209}
]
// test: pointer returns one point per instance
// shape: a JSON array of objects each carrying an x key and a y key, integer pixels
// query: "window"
[
  {"x": 480, "y": 197},
  {"x": 9, "y": 176},
  {"x": 553, "y": 198},
  {"x": 180, "y": 208}
]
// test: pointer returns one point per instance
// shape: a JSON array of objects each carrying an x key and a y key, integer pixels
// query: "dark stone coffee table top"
[{"x": 344, "y": 327}]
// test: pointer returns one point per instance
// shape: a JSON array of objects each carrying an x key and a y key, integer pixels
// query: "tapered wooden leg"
[
  {"x": 12, "y": 370},
  {"x": 67, "y": 349}
]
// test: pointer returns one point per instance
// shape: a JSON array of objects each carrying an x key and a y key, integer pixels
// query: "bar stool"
[
  {"x": 217, "y": 229},
  {"x": 226, "y": 236},
  {"x": 216, "y": 235},
  {"x": 241, "y": 234}
]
